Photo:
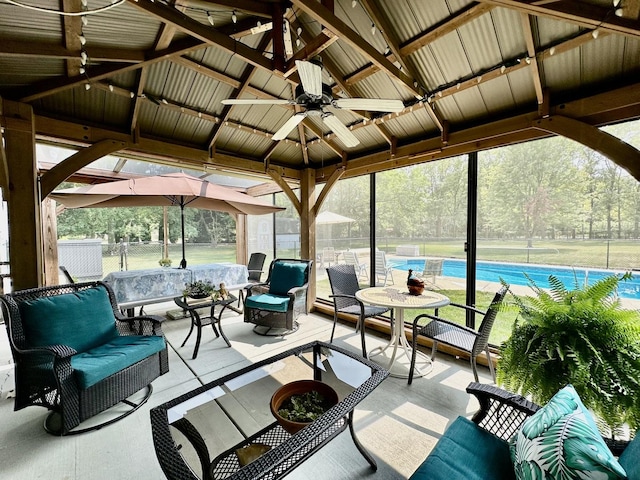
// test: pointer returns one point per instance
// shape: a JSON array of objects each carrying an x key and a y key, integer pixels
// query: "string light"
[
  {"x": 83, "y": 39},
  {"x": 528, "y": 60},
  {"x": 82, "y": 70},
  {"x": 552, "y": 50},
  {"x": 595, "y": 33},
  {"x": 234, "y": 17},
  {"x": 354, "y": 3},
  {"x": 83, "y": 57},
  {"x": 132, "y": 94},
  {"x": 503, "y": 69},
  {"x": 387, "y": 50},
  {"x": 85, "y": 20},
  {"x": 110, "y": 88},
  {"x": 87, "y": 86},
  {"x": 210, "y": 18},
  {"x": 616, "y": 3},
  {"x": 619, "y": 12},
  {"x": 373, "y": 29}
]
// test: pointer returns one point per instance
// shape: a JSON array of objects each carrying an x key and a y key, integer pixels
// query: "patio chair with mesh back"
[
  {"x": 382, "y": 270},
  {"x": 432, "y": 269},
  {"x": 344, "y": 285},
  {"x": 328, "y": 256},
  {"x": 255, "y": 265},
  {"x": 461, "y": 337},
  {"x": 351, "y": 258}
]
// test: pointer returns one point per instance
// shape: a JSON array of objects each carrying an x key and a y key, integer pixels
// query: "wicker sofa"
[
  {"x": 478, "y": 449},
  {"x": 77, "y": 355}
]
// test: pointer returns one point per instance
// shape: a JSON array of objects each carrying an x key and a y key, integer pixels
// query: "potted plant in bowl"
[
  {"x": 582, "y": 337},
  {"x": 198, "y": 289}
]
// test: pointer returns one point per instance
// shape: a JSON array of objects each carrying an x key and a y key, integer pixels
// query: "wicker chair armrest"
[
  {"x": 257, "y": 286},
  {"x": 140, "y": 325},
  {"x": 295, "y": 291},
  {"x": 501, "y": 412},
  {"x": 59, "y": 351},
  {"x": 442, "y": 320}
]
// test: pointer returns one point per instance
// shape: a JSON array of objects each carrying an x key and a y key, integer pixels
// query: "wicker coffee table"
[{"x": 198, "y": 434}]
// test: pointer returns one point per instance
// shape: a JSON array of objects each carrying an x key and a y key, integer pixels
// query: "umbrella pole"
[{"x": 183, "y": 262}]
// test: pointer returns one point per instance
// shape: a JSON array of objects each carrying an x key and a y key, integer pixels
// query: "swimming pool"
[{"x": 512, "y": 273}]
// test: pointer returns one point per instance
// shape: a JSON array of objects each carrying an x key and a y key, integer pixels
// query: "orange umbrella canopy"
[{"x": 164, "y": 190}]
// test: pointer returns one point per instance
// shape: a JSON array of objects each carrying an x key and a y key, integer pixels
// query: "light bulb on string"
[
  {"x": 373, "y": 29},
  {"x": 387, "y": 50},
  {"x": 87, "y": 86},
  {"x": 82, "y": 70},
  {"x": 210, "y": 18},
  {"x": 85, "y": 20},
  {"x": 84, "y": 3},
  {"x": 297, "y": 42},
  {"x": 616, "y": 3},
  {"x": 299, "y": 31},
  {"x": 83, "y": 39},
  {"x": 354, "y": 3},
  {"x": 595, "y": 33},
  {"x": 234, "y": 17},
  {"x": 83, "y": 57},
  {"x": 110, "y": 88},
  {"x": 619, "y": 12}
]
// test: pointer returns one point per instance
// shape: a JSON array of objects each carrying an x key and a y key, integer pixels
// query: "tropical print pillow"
[{"x": 561, "y": 442}]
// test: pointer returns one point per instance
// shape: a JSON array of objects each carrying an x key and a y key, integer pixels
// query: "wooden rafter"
[
  {"x": 532, "y": 59},
  {"x": 580, "y": 13},
  {"x": 72, "y": 31}
]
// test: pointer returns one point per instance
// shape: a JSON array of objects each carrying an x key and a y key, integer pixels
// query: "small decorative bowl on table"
[{"x": 311, "y": 399}]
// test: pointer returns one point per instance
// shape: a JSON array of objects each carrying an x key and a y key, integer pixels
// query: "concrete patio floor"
[{"x": 397, "y": 423}]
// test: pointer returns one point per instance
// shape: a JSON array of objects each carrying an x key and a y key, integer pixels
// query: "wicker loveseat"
[
  {"x": 478, "y": 449},
  {"x": 77, "y": 355}
]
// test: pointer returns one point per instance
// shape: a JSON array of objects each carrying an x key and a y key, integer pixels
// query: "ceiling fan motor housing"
[{"x": 313, "y": 103}]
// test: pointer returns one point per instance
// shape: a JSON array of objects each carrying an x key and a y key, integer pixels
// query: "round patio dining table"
[{"x": 399, "y": 360}]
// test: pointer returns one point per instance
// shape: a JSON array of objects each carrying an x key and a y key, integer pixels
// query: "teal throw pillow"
[
  {"x": 285, "y": 276},
  {"x": 561, "y": 442}
]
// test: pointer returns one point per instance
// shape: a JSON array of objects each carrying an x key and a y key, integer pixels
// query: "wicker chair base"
[
  {"x": 268, "y": 331},
  {"x": 53, "y": 421}
]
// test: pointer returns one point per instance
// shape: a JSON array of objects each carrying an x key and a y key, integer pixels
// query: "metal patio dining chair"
[
  {"x": 432, "y": 269},
  {"x": 344, "y": 285},
  {"x": 459, "y": 336}
]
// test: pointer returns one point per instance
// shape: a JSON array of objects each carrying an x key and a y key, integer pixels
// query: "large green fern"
[{"x": 581, "y": 337}]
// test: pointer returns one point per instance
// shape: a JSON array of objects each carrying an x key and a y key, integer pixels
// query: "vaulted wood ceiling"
[{"x": 146, "y": 78}]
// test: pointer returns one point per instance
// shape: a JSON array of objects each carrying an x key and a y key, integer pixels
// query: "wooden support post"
[
  {"x": 308, "y": 226},
  {"x": 25, "y": 222},
  {"x": 242, "y": 249}
]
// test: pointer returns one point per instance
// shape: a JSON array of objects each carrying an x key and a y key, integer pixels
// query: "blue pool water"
[{"x": 513, "y": 274}]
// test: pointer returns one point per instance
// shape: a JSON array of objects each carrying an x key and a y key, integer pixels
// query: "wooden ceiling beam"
[
  {"x": 581, "y": 13},
  {"x": 346, "y": 34},
  {"x": 38, "y": 50},
  {"x": 203, "y": 32},
  {"x": 72, "y": 28},
  {"x": 532, "y": 59},
  {"x": 450, "y": 24},
  {"x": 50, "y": 86}
]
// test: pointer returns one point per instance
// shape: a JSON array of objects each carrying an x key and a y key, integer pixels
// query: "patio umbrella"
[
  {"x": 163, "y": 190},
  {"x": 328, "y": 218}
]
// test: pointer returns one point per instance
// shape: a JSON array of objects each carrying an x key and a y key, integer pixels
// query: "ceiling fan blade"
[
  {"x": 256, "y": 101},
  {"x": 289, "y": 125},
  {"x": 311, "y": 77},
  {"x": 372, "y": 104},
  {"x": 342, "y": 132}
]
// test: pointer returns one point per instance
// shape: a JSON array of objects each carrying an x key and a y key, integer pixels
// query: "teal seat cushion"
[
  {"x": 80, "y": 320},
  {"x": 266, "y": 301},
  {"x": 285, "y": 276},
  {"x": 468, "y": 452},
  {"x": 561, "y": 440},
  {"x": 630, "y": 459},
  {"x": 121, "y": 352}
]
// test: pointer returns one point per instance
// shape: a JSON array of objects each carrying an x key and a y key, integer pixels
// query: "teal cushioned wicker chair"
[{"x": 275, "y": 305}]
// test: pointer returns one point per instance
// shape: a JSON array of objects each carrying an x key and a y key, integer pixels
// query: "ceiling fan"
[{"x": 315, "y": 96}]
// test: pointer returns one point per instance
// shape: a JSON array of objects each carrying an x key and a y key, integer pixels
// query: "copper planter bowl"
[{"x": 297, "y": 388}]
